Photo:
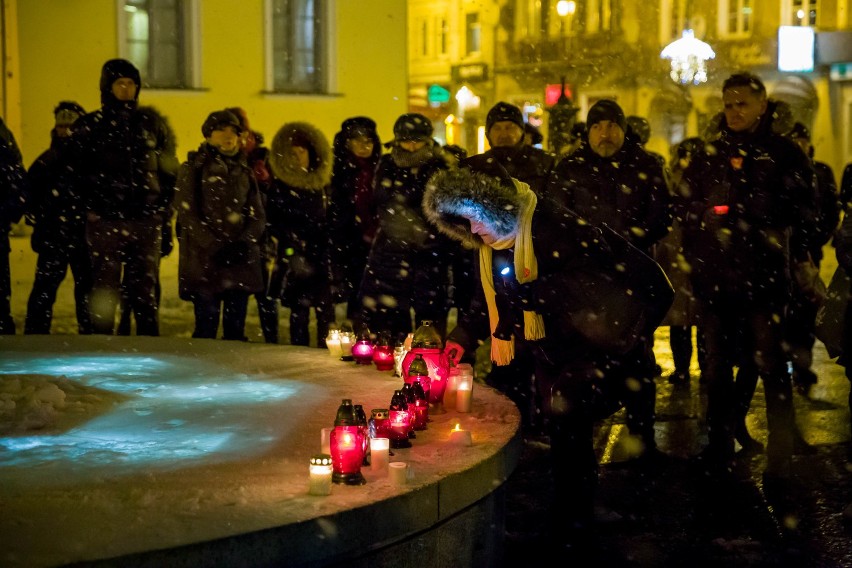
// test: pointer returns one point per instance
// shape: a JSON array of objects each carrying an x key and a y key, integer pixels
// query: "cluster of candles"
[{"x": 430, "y": 381}]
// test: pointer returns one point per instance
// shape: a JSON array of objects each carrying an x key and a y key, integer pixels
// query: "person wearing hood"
[
  {"x": 408, "y": 264},
  {"x": 221, "y": 219},
  {"x": 549, "y": 278},
  {"x": 297, "y": 207},
  {"x": 747, "y": 206},
  {"x": 505, "y": 130},
  {"x": 352, "y": 209},
  {"x": 611, "y": 180},
  {"x": 126, "y": 155},
  {"x": 58, "y": 216}
]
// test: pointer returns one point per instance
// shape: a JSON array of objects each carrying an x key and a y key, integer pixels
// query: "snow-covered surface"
[{"x": 116, "y": 445}]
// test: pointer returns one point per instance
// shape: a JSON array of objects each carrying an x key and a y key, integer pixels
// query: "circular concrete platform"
[{"x": 137, "y": 451}]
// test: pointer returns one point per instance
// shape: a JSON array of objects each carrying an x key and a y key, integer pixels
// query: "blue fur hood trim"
[{"x": 453, "y": 196}]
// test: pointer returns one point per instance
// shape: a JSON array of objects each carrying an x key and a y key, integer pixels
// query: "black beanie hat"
[
  {"x": 66, "y": 112},
  {"x": 358, "y": 126},
  {"x": 218, "y": 120},
  {"x": 412, "y": 126},
  {"x": 606, "y": 109},
  {"x": 640, "y": 127},
  {"x": 504, "y": 111},
  {"x": 115, "y": 69}
]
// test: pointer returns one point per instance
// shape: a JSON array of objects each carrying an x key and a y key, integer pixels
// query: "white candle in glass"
[
  {"x": 464, "y": 393},
  {"x": 320, "y": 475},
  {"x": 332, "y": 342},
  {"x": 379, "y": 455}
]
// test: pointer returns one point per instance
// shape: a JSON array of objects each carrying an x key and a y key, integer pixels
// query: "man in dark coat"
[
  {"x": 548, "y": 277},
  {"x": 611, "y": 180},
  {"x": 747, "y": 207},
  {"x": 13, "y": 198},
  {"x": 128, "y": 166},
  {"x": 57, "y": 212}
]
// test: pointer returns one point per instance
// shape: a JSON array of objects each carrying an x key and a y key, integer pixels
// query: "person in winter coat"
[
  {"x": 505, "y": 130},
  {"x": 408, "y": 265},
  {"x": 682, "y": 316},
  {"x": 352, "y": 210},
  {"x": 13, "y": 198},
  {"x": 611, "y": 180},
  {"x": 127, "y": 166},
  {"x": 257, "y": 156},
  {"x": 222, "y": 220},
  {"x": 747, "y": 207},
  {"x": 57, "y": 213},
  {"x": 300, "y": 159},
  {"x": 546, "y": 276}
]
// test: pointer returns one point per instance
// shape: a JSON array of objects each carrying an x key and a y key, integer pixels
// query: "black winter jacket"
[
  {"x": 627, "y": 192},
  {"x": 763, "y": 190},
  {"x": 127, "y": 161}
]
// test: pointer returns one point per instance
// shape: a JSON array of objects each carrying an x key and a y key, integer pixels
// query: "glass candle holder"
[
  {"x": 332, "y": 343},
  {"x": 320, "y": 472}
]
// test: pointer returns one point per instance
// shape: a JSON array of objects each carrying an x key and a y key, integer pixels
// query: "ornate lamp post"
[{"x": 688, "y": 57}]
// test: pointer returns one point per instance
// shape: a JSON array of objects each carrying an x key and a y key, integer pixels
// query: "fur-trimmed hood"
[
  {"x": 283, "y": 167},
  {"x": 456, "y": 195}
]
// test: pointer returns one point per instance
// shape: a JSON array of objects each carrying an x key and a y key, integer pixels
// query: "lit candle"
[
  {"x": 347, "y": 446},
  {"x": 380, "y": 452},
  {"x": 347, "y": 339},
  {"x": 460, "y": 437},
  {"x": 332, "y": 342},
  {"x": 383, "y": 357},
  {"x": 464, "y": 394},
  {"x": 320, "y": 475},
  {"x": 452, "y": 387}
]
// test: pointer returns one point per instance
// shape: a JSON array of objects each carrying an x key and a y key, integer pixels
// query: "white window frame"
[
  {"x": 724, "y": 10},
  {"x": 788, "y": 16},
  {"x": 329, "y": 45},
  {"x": 192, "y": 42}
]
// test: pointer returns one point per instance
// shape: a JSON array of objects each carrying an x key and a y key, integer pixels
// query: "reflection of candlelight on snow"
[
  {"x": 320, "y": 475},
  {"x": 460, "y": 437}
]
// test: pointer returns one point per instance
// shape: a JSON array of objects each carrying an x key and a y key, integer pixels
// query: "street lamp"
[
  {"x": 565, "y": 8},
  {"x": 688, "y": 57}
]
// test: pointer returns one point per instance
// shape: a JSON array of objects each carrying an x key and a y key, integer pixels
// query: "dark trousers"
[
  {"x": 300, "y": 317},
  {"x": 131, "y": 247},
  {"x": 7, "y": 324},
  {"x": 580, "y": 395},
  {"x": 517, "y": 381},
  {"x": 51, "y": 268},
  {"x": 231, "y": 305},
  {"x": 680, "y": 341},
  {"x": 801, "y": 321},
  {"x": 267, "y": 308},
  {"x": 733, "y": 329}
]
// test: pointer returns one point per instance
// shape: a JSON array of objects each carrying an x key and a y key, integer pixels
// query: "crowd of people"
[{"x": 563, "y": 266}]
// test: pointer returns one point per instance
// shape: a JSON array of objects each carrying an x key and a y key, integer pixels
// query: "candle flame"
[{"x": 457, "y": 428}]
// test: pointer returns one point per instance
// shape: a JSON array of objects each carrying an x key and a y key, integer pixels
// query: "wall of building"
[{"x": 64, "y": 43}]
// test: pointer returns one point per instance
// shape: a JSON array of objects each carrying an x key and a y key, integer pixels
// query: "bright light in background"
[
  {"x": 796, "y": 48},
  {"x": 480, "y": 140},
  {"x": 688, "y": 57},
  {"x": 155, "y": 413},
  {"x": 565, "y": 7}
]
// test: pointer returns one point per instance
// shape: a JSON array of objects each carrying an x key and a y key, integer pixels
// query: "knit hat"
[
  {"x": 799, "y": 130},
  {"x": 412, "y": 127},
  {"x": 359, "y": 126},
  {"x": 66, "y": 112},
  {"x": 219, "y": 120},
  {"x": 115, "y": 69},
  {"x": 504, "y": 111},
  {"x": 606, "y": 109},
  {"x": 640, "y": 126}
]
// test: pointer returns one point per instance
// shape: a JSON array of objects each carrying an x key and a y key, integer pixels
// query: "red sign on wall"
[{"x": 551, "y": 94}]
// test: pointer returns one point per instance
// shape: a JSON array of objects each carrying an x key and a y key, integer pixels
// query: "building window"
[
  {"x": 157, "y": 36},
  {"x": 424, "y": 38},
  {"x": 443, "y": 36},
  {"x": 801, "y": 13},
  {"x": 474, "y": 33},
  {"x": 297, "y": 33},
  {"x": 599, "y": 16},
  {"x": 735, "y": 17}
]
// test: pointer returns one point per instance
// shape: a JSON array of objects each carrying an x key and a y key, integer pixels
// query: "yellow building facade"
[
  {"x": 55, "y": 49},
  {"x": 520, "y": 51}
]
